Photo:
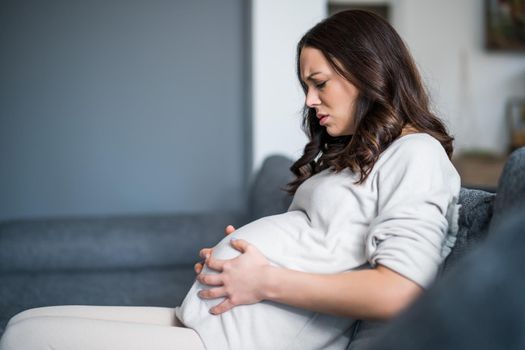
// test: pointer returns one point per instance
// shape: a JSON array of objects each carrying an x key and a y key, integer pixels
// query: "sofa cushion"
[
  {"x": 475, "y": 214},
  {"x": 109, "y": 242}
]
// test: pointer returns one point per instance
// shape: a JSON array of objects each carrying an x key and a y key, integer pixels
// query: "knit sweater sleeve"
[{"x": 417, "y": 188}]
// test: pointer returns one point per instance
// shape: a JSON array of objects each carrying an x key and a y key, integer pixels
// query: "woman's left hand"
[{"x": 240, "y": 280}]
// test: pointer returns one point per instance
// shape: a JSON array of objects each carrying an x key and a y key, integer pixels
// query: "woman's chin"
[
  {"x": 337, "y": 133},
  {"x": 334, "y": 133}
]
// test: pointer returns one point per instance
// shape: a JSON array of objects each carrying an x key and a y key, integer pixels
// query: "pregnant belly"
[{"x": 288, "y": 240}]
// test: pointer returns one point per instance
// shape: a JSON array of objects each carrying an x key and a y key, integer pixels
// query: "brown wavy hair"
[{"x": 364, "y": 48}]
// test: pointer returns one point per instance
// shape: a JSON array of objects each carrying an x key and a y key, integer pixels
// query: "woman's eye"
[{"x": 320, "y": 85}]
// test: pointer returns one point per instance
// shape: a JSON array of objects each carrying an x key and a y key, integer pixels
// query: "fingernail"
[
  {"x": 212, "y": 312},
  {"x": 207, "y": 256}
]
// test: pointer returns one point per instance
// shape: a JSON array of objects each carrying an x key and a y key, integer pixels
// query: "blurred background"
[{"x": 132, "y": 106}]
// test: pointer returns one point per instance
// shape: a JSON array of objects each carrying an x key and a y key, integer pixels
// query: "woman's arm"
[{"x": 377, "y": 293}]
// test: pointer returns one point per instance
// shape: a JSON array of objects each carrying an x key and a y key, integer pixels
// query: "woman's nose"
[{"x": 312, "y": 99}]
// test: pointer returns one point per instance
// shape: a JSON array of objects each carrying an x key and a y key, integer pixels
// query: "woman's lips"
[{"x": 323, "y": 119}]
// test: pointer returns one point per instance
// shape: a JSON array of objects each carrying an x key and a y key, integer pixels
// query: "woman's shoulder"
[
  {"x": 415, "y": 142},
  {"x": 419, "y": 145},
  {"x": 419, "y": 150},
  {"x": 419, "y": 160}
]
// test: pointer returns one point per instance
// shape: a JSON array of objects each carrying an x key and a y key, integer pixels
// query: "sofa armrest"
[{"x": 110, "y": 242}]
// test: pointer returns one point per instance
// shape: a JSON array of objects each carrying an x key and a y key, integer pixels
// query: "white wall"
[
  {"x": 277, "y": 98},
  {"x": 469, "y": 86}
]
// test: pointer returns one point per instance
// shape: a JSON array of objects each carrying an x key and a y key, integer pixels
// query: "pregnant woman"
[{"x": 374, "y": 214}]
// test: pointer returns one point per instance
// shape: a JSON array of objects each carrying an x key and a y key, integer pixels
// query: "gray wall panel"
[{"x": 117, "y": 107}]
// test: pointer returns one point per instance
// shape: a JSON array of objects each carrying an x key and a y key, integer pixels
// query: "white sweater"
[{"x": 399, "y": 217}]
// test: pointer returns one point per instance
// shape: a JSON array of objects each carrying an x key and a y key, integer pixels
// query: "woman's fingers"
[
  {"x": 198, "y": 267},
  {"x": 215, "y": 264},
  {"x": 239, "y": 280},
  {"x": 205, "y": 253},
  {"x": 229, "y": 229},
  {"x": 240, "y": 244},
  {"x": 213, "y": 293},
  {"x": 226, "y": 305},
  {"x": 210, "y": 279}
]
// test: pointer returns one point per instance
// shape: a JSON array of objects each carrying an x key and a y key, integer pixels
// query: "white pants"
[{"x": 98, "y": 327}]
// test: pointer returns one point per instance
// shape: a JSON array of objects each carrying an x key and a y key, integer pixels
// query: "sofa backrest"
[
  {"x": 112, "y": 242},
  {"x": 267, "y": 195},
  {"x": 511, "y": 187}
]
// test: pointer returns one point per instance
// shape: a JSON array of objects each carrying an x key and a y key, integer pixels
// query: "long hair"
[{"x": 364, "y": 49}]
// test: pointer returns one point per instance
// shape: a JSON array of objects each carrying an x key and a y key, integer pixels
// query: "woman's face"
[{"x": 332, "y": 96}]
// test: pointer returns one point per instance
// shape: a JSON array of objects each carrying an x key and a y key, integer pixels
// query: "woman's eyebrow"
[{"x": 312, "y": 75}]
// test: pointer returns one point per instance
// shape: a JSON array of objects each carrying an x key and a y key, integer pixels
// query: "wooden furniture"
[{"x": 479, "y": 170}]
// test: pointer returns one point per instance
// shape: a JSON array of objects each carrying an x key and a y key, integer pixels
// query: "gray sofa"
[{"x": 148, "y": 260}]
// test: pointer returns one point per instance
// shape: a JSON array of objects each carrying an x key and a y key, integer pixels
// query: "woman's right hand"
[{"x": 205, "y": 252}]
